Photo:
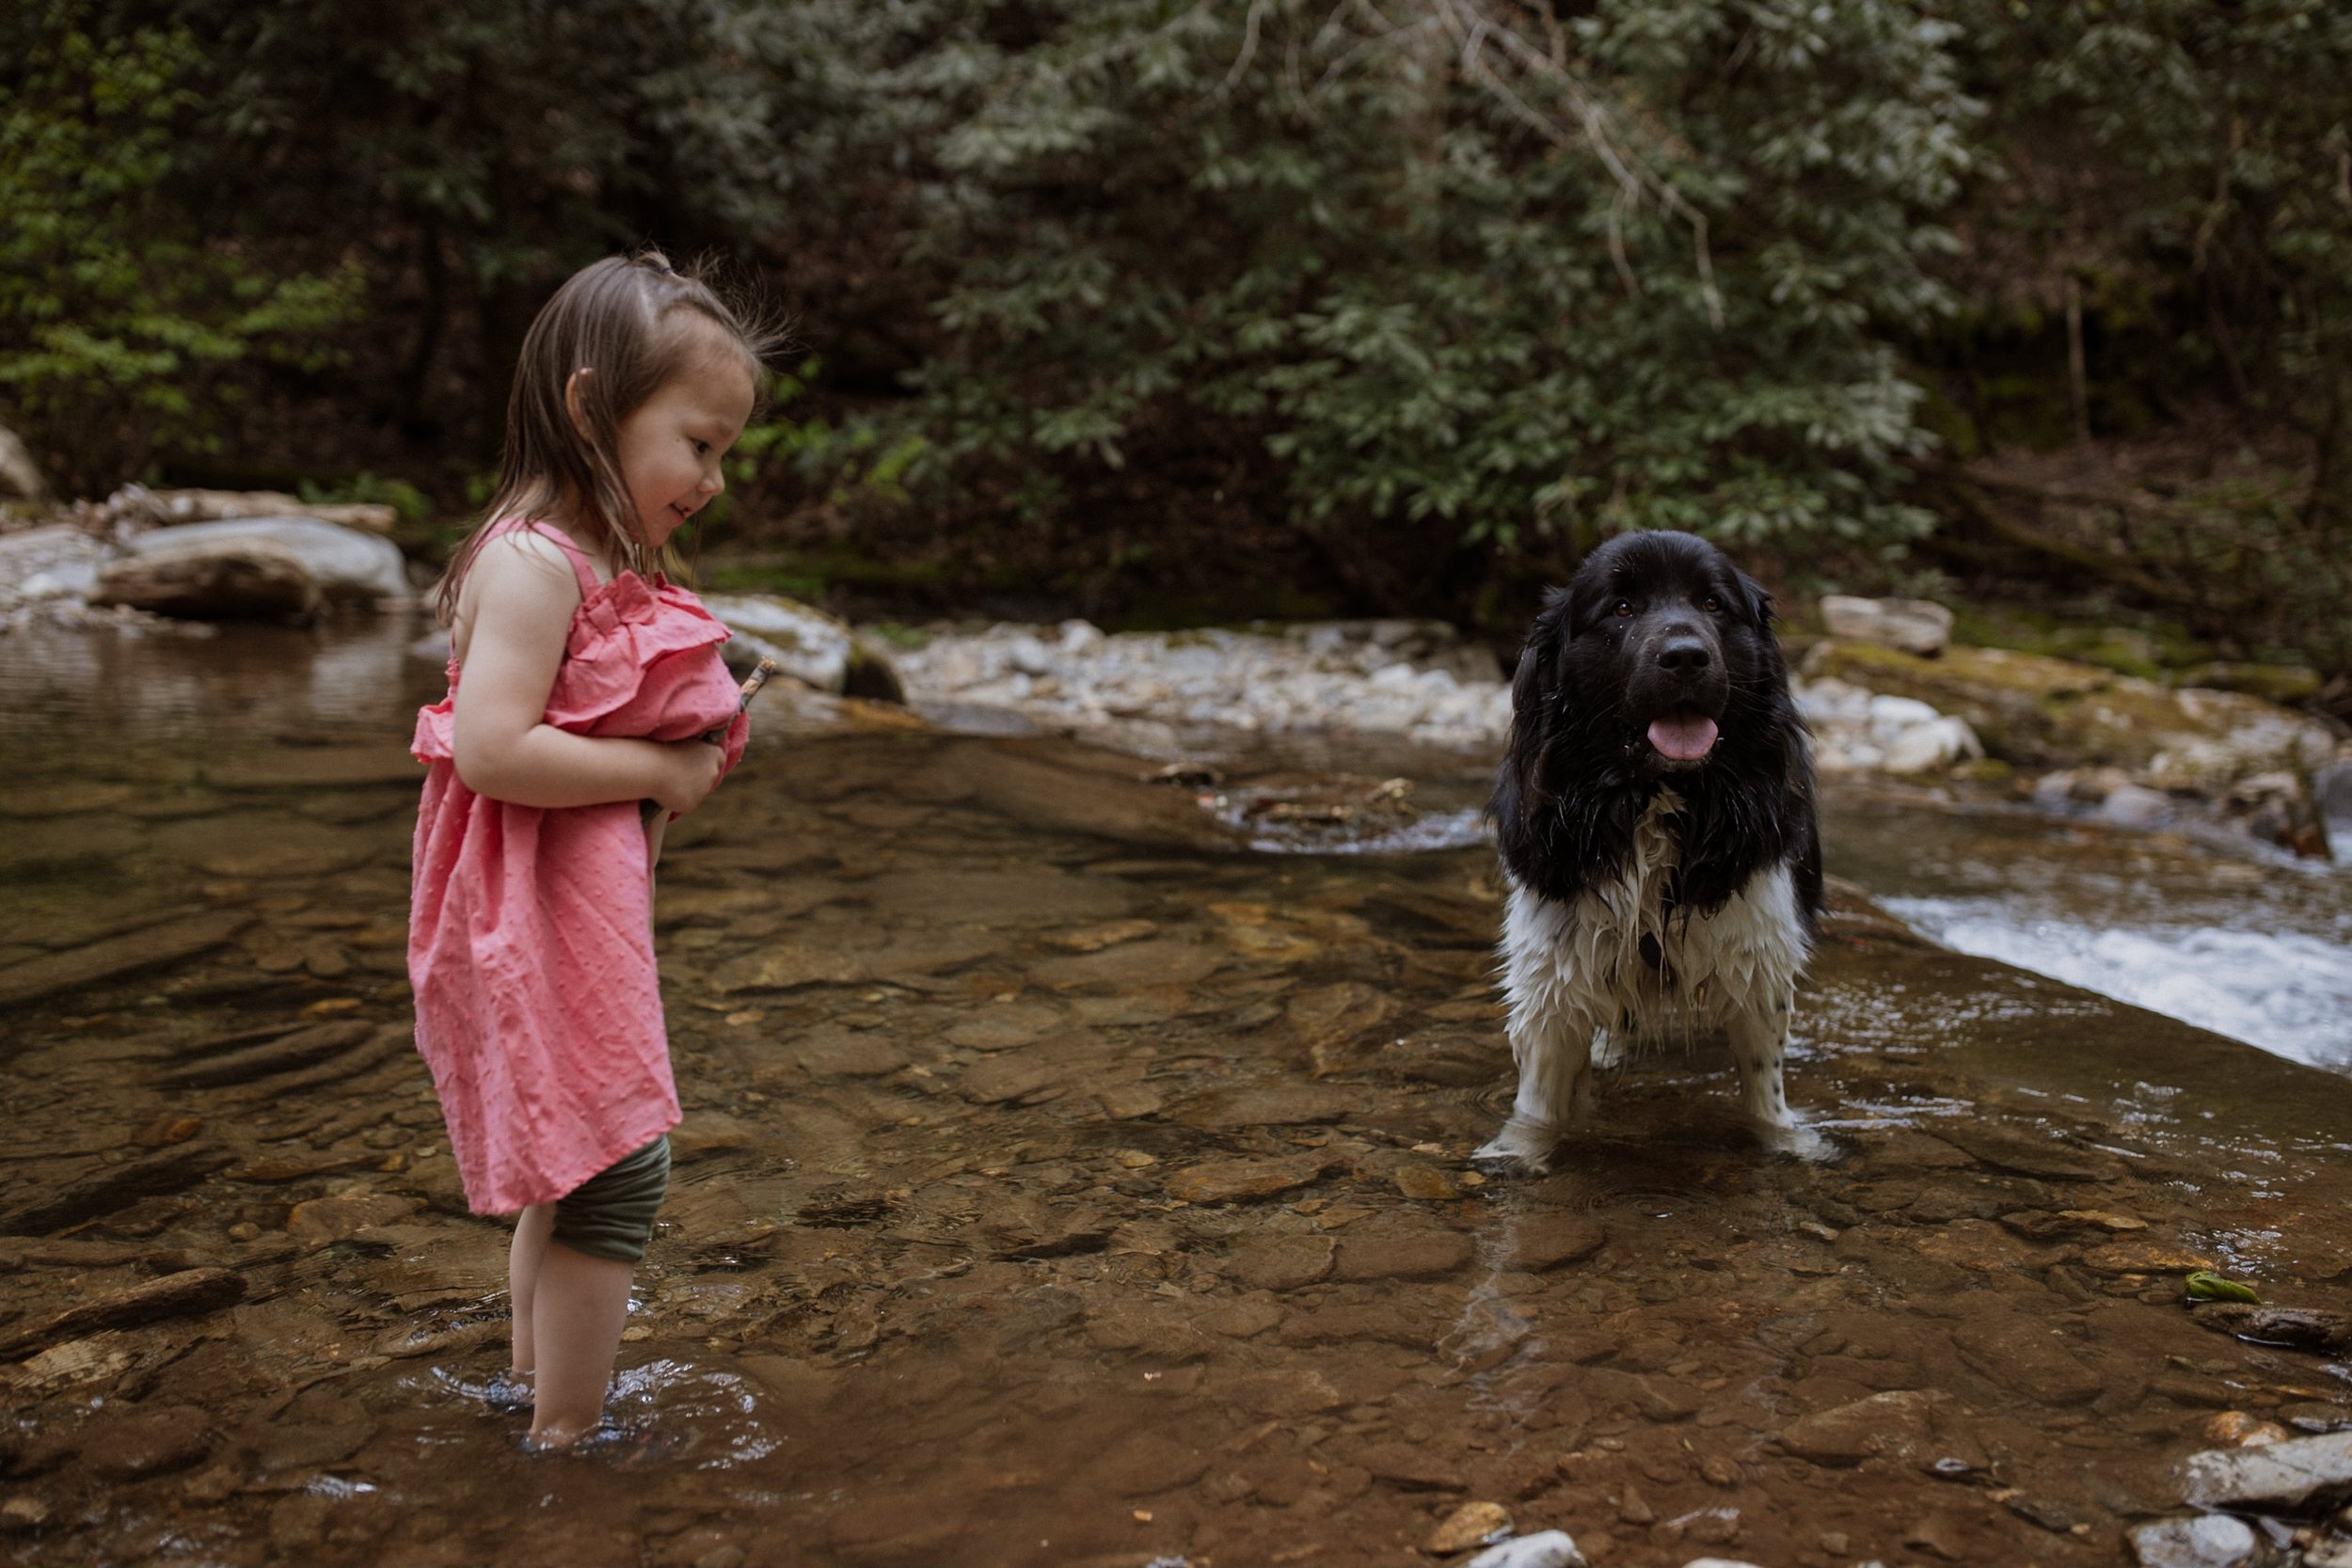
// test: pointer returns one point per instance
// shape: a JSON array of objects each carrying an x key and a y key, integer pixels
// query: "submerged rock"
[{"x": 1895, "y": 1424}]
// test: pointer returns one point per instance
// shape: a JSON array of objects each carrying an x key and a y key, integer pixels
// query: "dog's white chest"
[{"x": 1624, "y": 955}]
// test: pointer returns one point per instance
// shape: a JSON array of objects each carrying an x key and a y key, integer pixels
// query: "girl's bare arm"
[{"x": 519, "y": 599}]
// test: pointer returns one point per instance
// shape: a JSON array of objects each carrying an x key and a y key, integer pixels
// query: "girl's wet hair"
[{"x": 634, "y": 323}]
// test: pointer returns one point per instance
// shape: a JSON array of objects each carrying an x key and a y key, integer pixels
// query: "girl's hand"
[{"x": 690, "y": 771}]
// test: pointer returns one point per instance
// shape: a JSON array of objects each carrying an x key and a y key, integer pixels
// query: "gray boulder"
[
  {"x": 266, "y": 568},
  {"x": 59, "y": 561},
  {"x": 814, "y": 648},
  {"x": 2210, "y": 1541},
  {"x": 1915, "y": 625},
  {"x": 2331, "y": 791},
  {"x": 2298, "y": 1473},
  {"x": 20, "y": 476}
]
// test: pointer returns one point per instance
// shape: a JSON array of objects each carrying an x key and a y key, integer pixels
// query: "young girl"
[{"x": 588, "y": 679}]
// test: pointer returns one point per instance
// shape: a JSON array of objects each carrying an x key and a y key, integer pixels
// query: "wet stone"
[
  {"x": 1144, "y": 1465},
  {"x": 2294, "y": 1474},
  {"x": 283, "y": 1446},
  {"x": 1242, "y": 1180},
  {"x": 1428, "y": 1255},
  {"x": 1470, "y": 1524},
  {"x": 1977, "y": 1244},
  {"x": 1272, "y": 1105},
  {"x": 1549, "y": 1548},
  {"x": 23, "y": 1514},
  {"x": 2210, "y": 1541},
  {"x": 832, "y": 1052},
  {"x": 2026, "y": 1355},
  {"x": 2028, "y": 1155},
  {"x": 150, "y": 947},
  {"x": 147, "y": 1442},
  {"x": 1412, "y": 1467},
  {"x": 1426, "y": 1183},
  {"x": 1538, "y": 1242},
  {"x": 325, "y": 1220},
  {"x": 1282, "y": 1262},
  {"x": 1093, "y": 939},
  {"x": 1895, "y": 1424},
  {"x": 1392, "y": 1323},
  {"x": 1006, "y": 1078},
  {"x": 1159, "y": 962},
  {"x": 1252, "y": 1314},
  {"x": 2145, "y": 1257},
  {"x": 705, "y": 1133},
  {"x": 1330, "y": 1019},
  {"x": 1039, "y": 896},
  {"x": 1006, "y": 1027},
  {"x": 1127, "y": 1101}
]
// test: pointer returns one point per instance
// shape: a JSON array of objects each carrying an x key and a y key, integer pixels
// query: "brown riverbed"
[{"x": 1063, "y": 1182}]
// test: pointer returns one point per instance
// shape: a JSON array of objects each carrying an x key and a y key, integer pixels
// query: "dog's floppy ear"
[
  {"x": 1758, "y": 603},
  {"x": 1521, "y": 797}
]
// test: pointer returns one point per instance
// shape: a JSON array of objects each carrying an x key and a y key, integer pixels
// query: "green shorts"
[{"x": 611, "y": 1214}]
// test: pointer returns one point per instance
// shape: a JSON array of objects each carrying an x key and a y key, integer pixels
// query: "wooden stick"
[{"x": 717, "y": 737}]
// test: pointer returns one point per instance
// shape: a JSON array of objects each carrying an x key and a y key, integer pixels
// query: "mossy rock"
[
  {"x": 2273, "y": 683},
  {"x": 2033, "y": 711}
]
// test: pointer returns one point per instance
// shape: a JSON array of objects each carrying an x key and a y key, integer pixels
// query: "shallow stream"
[{"x": 1065, "y": 1180}]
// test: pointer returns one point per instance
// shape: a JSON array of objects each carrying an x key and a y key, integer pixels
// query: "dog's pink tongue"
[{"x": 1683, "y": 739}]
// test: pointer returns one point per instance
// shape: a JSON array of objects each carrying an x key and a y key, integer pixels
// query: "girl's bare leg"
[
  {"x": 578, "y": 1307},
  {"x": 529, "y": 1249}
]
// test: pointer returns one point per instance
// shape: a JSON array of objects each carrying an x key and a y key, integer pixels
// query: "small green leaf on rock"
[{"x": 2204, "y": 1285}]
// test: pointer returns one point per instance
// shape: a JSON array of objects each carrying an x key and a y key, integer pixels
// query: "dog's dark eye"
[
  {"x": 1623, "y": 607},
  {"x": 1712, "y": 605}
]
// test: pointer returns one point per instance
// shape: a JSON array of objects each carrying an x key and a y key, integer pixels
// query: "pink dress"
[{"x": 530, "y": 928}]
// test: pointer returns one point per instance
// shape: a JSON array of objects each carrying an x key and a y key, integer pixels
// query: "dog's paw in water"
[
  {"x": 1521, "y": 1149},
  {"x": 1799, "y": 1142}
]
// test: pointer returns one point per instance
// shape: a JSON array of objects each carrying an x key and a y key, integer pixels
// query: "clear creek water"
[{"x": 1067, "y": 1181}]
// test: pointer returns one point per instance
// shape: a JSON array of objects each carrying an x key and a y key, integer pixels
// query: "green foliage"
[
  {"x": 2187, "y": 169},
  {"x": 415, "y": 508},
  {"x": 859, "y": 460},
  {"x": 112, "y": 294},
  {"x": 1443, "y": 289},
  {"x": 1517, "y": 277}
]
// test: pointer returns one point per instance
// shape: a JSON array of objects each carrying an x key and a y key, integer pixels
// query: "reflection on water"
[{"x": 1063, "y": 1181}]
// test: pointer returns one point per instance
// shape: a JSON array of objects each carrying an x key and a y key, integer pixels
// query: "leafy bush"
[
  {"x": 1481, "y": 268},
  {"x": 117, "y": 311}
]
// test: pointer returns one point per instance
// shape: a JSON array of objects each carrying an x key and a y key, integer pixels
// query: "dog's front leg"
[
  {"x": 1758, "y": 1033},
  {"x": 1553, "y": 1048}
]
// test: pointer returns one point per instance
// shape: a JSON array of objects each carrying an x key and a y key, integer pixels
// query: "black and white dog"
[{"x": 1656, "y": 818}]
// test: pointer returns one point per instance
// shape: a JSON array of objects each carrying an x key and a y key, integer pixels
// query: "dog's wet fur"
[{"x": 1654, "y": 814}]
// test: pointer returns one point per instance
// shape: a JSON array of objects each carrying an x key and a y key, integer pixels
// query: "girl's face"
[{"x": 670, "y": 449}]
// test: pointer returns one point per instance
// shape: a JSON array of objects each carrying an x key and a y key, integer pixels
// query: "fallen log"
[
  {"x": 391, "y": 1041},
  {"x": 300, "y": 1049},
  {"x": 103, "y": 1190},
  {"x": 175, "y": 1296},
  {"x": 128, "y": 953}
]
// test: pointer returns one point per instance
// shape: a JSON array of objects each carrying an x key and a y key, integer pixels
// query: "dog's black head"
[{"x": 1654, "y": 666}]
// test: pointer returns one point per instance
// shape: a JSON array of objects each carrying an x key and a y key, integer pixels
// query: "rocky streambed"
[{"x": 1066, "y": 1182}]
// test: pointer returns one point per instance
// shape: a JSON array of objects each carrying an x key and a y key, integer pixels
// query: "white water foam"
[{"x": 2289, "y": 993}]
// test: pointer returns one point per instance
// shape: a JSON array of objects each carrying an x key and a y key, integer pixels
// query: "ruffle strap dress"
[{"x": 529, "y": 936}]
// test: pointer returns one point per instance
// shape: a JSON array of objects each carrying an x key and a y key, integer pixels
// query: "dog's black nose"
[{"x": 1686, "y": 655}]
